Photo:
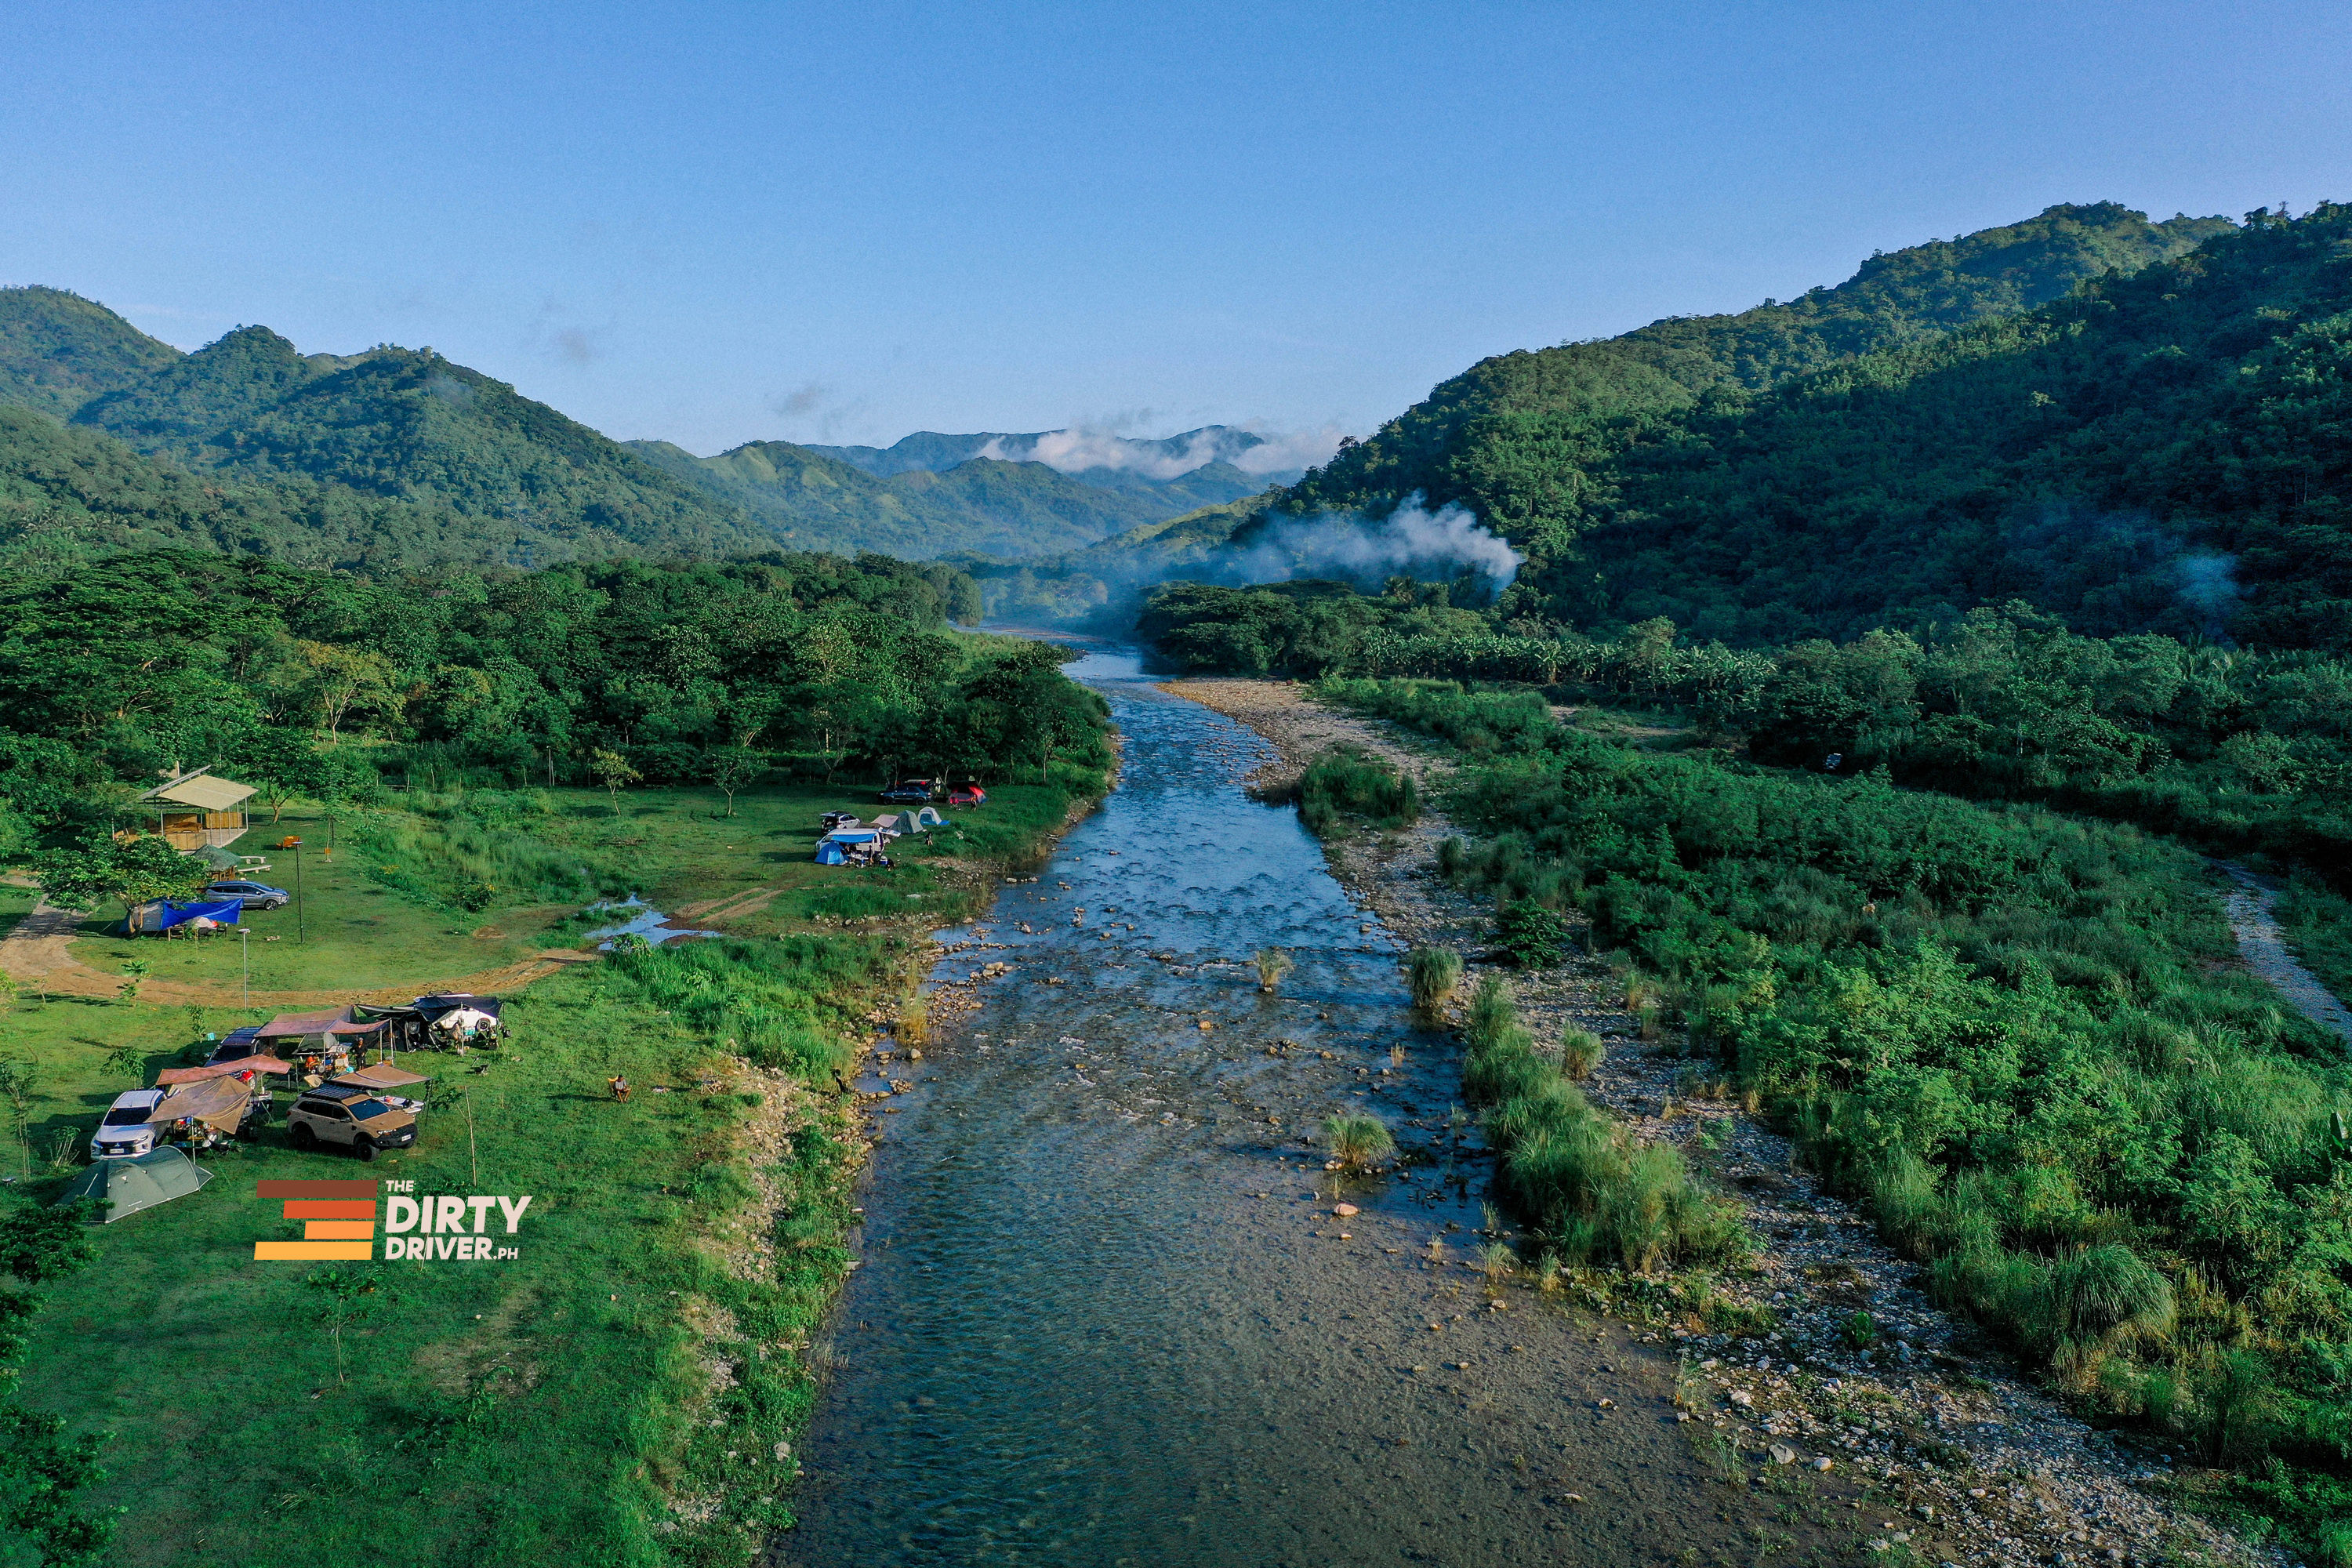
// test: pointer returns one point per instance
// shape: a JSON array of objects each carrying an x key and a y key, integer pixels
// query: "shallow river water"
[{"x": 1104, "y": 1315}]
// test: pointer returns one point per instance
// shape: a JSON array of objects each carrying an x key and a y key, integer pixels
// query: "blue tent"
[
  {"x": 162, "y": 914},
  {"x": 828, "y": 853}
]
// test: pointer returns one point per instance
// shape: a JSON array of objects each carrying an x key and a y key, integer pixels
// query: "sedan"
[{"x": 251, "y": 895}]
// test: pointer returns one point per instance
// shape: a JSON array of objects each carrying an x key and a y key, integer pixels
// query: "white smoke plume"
[
  {"x": 1411, "y": 540},
  {"x": 2208, "y": 584}
]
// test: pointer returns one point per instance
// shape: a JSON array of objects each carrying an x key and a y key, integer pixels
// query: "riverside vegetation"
[
  {"x": 631, "y": 1389},
  {"x": 2017, "y": 1037}
]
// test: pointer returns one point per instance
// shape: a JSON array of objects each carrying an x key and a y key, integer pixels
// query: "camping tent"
[
  {"x": 828, "y": 853},
  {"x": 162, "y": 914},
  {"x": 129, "y": 1185}
]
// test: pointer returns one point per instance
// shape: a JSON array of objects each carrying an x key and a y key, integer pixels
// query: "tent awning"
[
  {"x": 384, "y": 1074},
  {"x": 218, "y": 1102},
  {"x": 171, "y": 1075}
]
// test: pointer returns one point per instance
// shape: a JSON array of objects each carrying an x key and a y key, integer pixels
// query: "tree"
[
  {"x": 41, "y": 1469},
  {"x": 342, "y": 678},
  {"x": 613, "y": 771},
  {"x": 134, "y": 970},
  {"x": 349, "y": 1297},
  {"x": 133, "y": 870},
  {"x": 282, "y": 764},
  {"x": 729, "y": 768}
]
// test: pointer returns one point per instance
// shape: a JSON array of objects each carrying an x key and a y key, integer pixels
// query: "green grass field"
[
  {"x": 371, "y": 921},
  {"x": 617, "y": 1394}
]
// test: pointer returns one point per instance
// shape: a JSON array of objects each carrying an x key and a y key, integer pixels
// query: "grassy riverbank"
[
  {"x": 627, "y": 1389},
  {"x": 2022, "y": 1040}
]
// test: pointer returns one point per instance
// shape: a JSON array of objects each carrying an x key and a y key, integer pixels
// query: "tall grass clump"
[
  {"x": 1594, "y": 1192},
  {"x": 1436, "y": 975},
  {"x": 1581, "y": 1052},
  {"x": 1273, "y": 964},
  {"x": 1357, "y": 1141},
  {"x": 1346, "y": 786}
]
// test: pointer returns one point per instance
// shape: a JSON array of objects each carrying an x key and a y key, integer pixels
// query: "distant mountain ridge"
[{"x": 398, "y": 460}]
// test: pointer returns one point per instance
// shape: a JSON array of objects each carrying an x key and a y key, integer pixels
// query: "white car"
[{"x": 124, "y": 1130}]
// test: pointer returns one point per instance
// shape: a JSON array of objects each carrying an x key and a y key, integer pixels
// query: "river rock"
[
  {"x": 1783, "y": 1454},
  {"x": 1346, "y": 1211}
]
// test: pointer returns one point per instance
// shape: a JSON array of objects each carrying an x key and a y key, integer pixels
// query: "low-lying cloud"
[
  {"x": 1412, "y": 541},
  {"x": 1097, "y": 447}
]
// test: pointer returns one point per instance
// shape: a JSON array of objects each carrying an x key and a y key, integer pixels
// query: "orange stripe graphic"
[
  {"x": 340, "y": 1229},
  {"x": 305, "y": 1251},
  {"x": 317, "y": 1209}
]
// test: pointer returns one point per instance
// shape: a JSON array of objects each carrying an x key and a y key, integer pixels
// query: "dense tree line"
[{"x": 313, "y": 683}]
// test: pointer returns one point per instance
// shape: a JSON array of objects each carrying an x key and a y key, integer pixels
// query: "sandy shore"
[{"x": 1974, "y": 1463}]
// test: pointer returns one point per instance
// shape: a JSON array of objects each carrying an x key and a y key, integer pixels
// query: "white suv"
[{"x": 124, "y": 1131}]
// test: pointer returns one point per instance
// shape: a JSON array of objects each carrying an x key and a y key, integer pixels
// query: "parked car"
[
  {"x": 123, "y": 1133},
  {"x": 967, "y": 794},
  {"x": 235, "y": 1045},
  {"x": 251, "y": 895},
  {"x": 908, "y": 792},
  {"x": 362, "y": 1125}
]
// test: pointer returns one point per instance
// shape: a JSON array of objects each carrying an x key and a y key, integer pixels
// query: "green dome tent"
[{"x": 130, "y": 1185}]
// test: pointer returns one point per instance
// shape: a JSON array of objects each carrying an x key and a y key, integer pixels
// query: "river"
[{"x": 1106, "y": 1313}]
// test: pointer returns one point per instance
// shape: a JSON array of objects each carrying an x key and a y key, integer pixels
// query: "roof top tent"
[
  {"x": 195, "y": 811},
  {"x": 126, "y": 1187}
]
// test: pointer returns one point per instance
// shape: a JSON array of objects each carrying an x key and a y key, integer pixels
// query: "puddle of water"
[
  {"x": 1106, "y": 1313},
  {"x": 647, "y": 923}
]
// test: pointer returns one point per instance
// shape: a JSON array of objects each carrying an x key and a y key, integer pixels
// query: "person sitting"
[{"x": 620, "y": 1089}]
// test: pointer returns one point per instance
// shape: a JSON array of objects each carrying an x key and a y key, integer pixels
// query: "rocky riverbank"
[{"x": 1969, "y": 1460}]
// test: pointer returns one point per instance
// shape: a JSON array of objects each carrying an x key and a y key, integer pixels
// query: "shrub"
[
  {"x": 1344, "y": 783},
  {"x": 1452, "y": 855},
  {"x": 1532, "y": 934},
  {"x": 1436, "y": 973},
  {"x": 1273, "y": 964}
]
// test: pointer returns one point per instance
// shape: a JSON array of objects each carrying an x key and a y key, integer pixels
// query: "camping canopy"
[
  {"x": 162, "y": 914},
  {"x": 171, "y": 1075},
  {"x": 130, "y": 1185},
  {"x": 384, "y": 1074},
  {"x": 218, "y": 1102}
]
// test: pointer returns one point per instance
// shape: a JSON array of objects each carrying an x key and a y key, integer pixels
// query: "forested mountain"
[
  {"x": 981, "y": 505},
  {"x": 2162, "y": 451},
  {"x": 57, "y": 350},
  {"x": 410, "y": 426},
  {"x": 1504, "y": 436}
]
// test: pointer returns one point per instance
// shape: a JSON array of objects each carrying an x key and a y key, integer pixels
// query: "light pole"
[
  {"x": 245, "y": 951},
  {"x": 298, "y": 890}
]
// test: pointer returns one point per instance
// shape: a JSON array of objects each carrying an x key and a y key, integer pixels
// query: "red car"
[{"x": 967, "y": 794}]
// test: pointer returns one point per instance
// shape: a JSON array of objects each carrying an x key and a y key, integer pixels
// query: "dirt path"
[
  {"x": 38, "y": 953},
  {"x": 1987, "y": 1466},
  {"x": 2253, "y": 920}
]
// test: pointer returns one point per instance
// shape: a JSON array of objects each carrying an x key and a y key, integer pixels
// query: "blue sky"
[{"x": 720, "y": 222}]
